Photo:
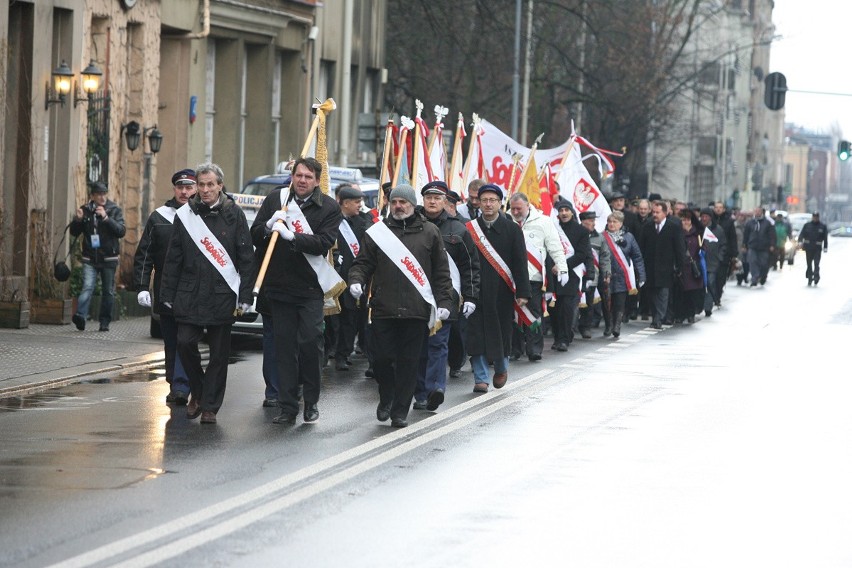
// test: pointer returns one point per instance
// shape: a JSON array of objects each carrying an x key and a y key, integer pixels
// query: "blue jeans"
[
  {"x": 480, "y": 368},
  {"x": 432, "y": 370},
  {"x": 90, "y": 273},
  {"x": 270, "y": 371},
  {"x": 175, "y": 373}
]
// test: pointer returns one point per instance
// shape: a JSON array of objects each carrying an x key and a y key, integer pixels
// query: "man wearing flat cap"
[
  {"x": 464, "y": 272},
  {"x": 151, "y": 255},
  {"x": 101, "y": 222},
  {"x": 411, "y": 290},
  {"x": 504, "y": 289},
  {"x": 352, "y": 319},
  {"x": 597, "y": 280}
]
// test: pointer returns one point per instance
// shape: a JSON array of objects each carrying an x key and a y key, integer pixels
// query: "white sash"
[
  {"x": 455, "y": 275},
  {"x": 329, "y": 280},
  {"x": 350, "y": 238},
  {"x": 167, "y": 212},
  {"x": 624, "y": 262},
  {"x": 211, "y": 248},
  {"x": 568, "y": 249},
  {"x": 402, "y": 258},
  {"x": 534, "y": 257}
]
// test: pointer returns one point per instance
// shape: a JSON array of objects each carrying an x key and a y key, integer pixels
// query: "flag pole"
[
  {"x": 457, "y": 151},
  {"x": 470, "y": 147},
  {"x": 323, "y": 109},
  {"x": 406, "y": 124},
  {"x": 386, "y": 156},
  {"x": 415, "y": 143}
]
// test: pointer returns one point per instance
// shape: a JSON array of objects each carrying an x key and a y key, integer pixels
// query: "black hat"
[
  {"x": 184, "y": 177},
  {"x": 436, "y": 187},
  {"x": 346, "y": 191},
  {"x": 453, "y": 197},
  {"x": 707, "y": 211},
  {"x": 98, "y": 187},
  {"x": 563, "y": 204},
  {"x": 588, "y": 215},
  {"x": 616, "y": 195},
  {"x": 815, "y": 214},
  {"x": 387, "y": 186},
  {"x": 492, "y": 188}
]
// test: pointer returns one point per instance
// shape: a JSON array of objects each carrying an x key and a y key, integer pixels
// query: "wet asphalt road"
[{"x": 726, "y": 443}]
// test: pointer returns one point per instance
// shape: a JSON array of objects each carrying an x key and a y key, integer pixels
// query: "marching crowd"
[{"x": 422, "y": 289}]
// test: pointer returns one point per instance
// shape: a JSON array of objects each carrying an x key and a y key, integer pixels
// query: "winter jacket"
[
  {"x": 461, "y": 249},
  {"x": 289, "y": 273},
  {"x": 604, "y": 264},
  {"x": 392, "y": 295},
  {"x": 109, "y": 231},
  {"x": 199, "y": 295},
  {"x": 813, "y": 235},
  {"x": 540, "y": 232},
  {"x": 627, "y": 243},
  {"x": 715, "y": 251},
  {"x": 151, "y": 252},
  {"x": 759, "y": 234}
]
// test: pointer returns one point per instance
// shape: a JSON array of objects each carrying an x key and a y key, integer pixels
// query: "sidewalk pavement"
[{"x": 45, "y": 356}]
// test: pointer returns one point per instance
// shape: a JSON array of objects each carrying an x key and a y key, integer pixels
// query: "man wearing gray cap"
[
  {"x": 411, "y": 285},
  {"x": 102, "y": 223}
]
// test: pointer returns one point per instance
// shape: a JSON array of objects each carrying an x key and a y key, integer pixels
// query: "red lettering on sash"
[
  {"x": 416, "y": 272},
  {"x": 217, "y": 254}
]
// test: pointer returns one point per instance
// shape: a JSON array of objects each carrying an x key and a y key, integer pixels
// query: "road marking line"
[
  {"x": 169, "y": 528},
  {"x": 228, "y": 526}
]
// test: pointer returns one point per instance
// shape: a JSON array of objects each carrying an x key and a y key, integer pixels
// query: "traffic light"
[
  {"x": 775, "y": 91},
  {"x": 844, "y": 150}
]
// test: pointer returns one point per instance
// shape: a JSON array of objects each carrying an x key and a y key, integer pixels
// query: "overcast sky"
[{"x": 815, "y": 54}]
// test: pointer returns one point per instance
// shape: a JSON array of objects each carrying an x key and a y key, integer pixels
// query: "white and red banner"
[
  {"x": 437, "y": 154},
  {"x": 455, "y": 180},
  {"x": 578, "y": 187}
]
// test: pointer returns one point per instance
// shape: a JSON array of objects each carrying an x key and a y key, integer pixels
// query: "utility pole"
[
  {"x": 516, "y": 74},
  {"x": 525, "y": 105},
  {"x": 346, "y": 87}
]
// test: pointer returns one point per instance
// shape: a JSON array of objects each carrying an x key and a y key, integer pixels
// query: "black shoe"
[
  {"x": 560, "y": 347},
  {"x": 436, "y": 397},
  {"x": 419, "y": 405},
  {"x": 79, "y": 321},
  {"x": 816, "y": 280},
  {"x": 340, "y": 364},
  {"x": 311, "y": 413},
  {"x": 585, "y": 334},
  {"x": 383, "y": 412},
  {"x": 455, "y": 373},
  {"x": 369, "y": 373},
  {"x": 607, "y": 331},
  {"x": 104, "y": 327},
  {"x": 753, "y": 285},
  {"x": 270, "y": 402},
  {"x": 179, "y": 398},
  {"x": 708, "y": 313},
  {"x": 399, "y": 422},
  {"x": 668, "y": 322},
  {"x": 514, "y": 356},
  {"x": 285, "y": 418},
  {"x": 656, "y": 325},
  {"x": 690, "y": 319},
  {"x": 534, "y": 357}
]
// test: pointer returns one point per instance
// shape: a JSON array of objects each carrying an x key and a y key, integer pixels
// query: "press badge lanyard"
[{"x": 95, "y": 237}]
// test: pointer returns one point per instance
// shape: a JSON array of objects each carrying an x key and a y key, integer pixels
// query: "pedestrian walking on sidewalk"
[{"x": 814, "y": 239}]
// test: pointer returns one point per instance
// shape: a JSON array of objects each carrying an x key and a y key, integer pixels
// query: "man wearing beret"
[
  {"x": 101, "y": 222},
  {"x": 464, "y": 272},
  {"x": 404, "y": 256},
  {"x": 151, "y": 254},
  {"x": 504, "y": 289}
]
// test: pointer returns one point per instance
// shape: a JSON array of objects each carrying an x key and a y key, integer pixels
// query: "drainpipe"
[
  {"x": 205, "y": 25},
  {"x": 346, "y": 87}
]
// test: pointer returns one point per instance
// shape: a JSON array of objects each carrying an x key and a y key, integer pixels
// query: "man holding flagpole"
[
  {"x": 298, "y": 279},
  {"x": 207, "y": 279},
  {"x": 411, "y": 290},
  {"x": 504, "y": 289}
]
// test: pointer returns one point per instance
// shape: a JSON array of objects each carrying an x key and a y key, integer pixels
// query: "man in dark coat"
[
  {"x": 101, "y": 222},
  {"x": 489, "y": 329},
  {"x": 209, "y": 271},
  {"x": 411, "y": 289},
  {"x": 731, "y": 250},
  {"x": 814, "y": 239},
  {"x": 632, "y": 224},
  {"x": 663, "y": 248},
  {"x": 292, "y": 287},
  {"x": 568, "y": 296},
  {"x": 353, "y": 315},
  {"x": 464, "y": 272},
  {"x": 151, "y": 255},
  {"x": 758, "y": 244}
]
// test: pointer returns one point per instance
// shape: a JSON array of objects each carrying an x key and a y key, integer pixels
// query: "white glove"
[
  {"x": 468, "y": 308},
  {"x": 144, "y": 298},
  {"x": 168, "y": 305},
  {"x": 548, "y": 296},
  {"x": 278, "y": 215},
  {"x": 356, "y": 290},
  {"x": 591, "y": 284},
  {"x": 641, "y": 284},
  {"x": 285, "y": 233},
  {"x": 246, "y": 308},
  {"x": 443, "y": 313},
  {"x": 563, "y": 278}
]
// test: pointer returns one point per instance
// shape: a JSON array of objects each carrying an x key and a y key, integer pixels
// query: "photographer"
[{"x": 102, "y": 223}]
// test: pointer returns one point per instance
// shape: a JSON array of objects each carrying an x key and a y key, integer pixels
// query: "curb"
[{"x": 37, "y": 386}]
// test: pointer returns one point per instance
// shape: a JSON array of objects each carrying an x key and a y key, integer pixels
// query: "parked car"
[{"x": 844, "y": 230}]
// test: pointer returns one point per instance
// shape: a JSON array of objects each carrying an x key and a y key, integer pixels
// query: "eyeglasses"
[{"x": 489, "y": 200}]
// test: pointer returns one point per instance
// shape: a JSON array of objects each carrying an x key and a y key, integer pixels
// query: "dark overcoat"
[
  {"x": 663, "y": 252},
  {"x": 489, "y": 328}
]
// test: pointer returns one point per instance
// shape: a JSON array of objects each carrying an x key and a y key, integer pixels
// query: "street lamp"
[
  {"x": 90, "y": 81},
  {"x": 155, "y": 139},
  {"x": 132, "y": 134},
  {"x": 62, "y": 77}
]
